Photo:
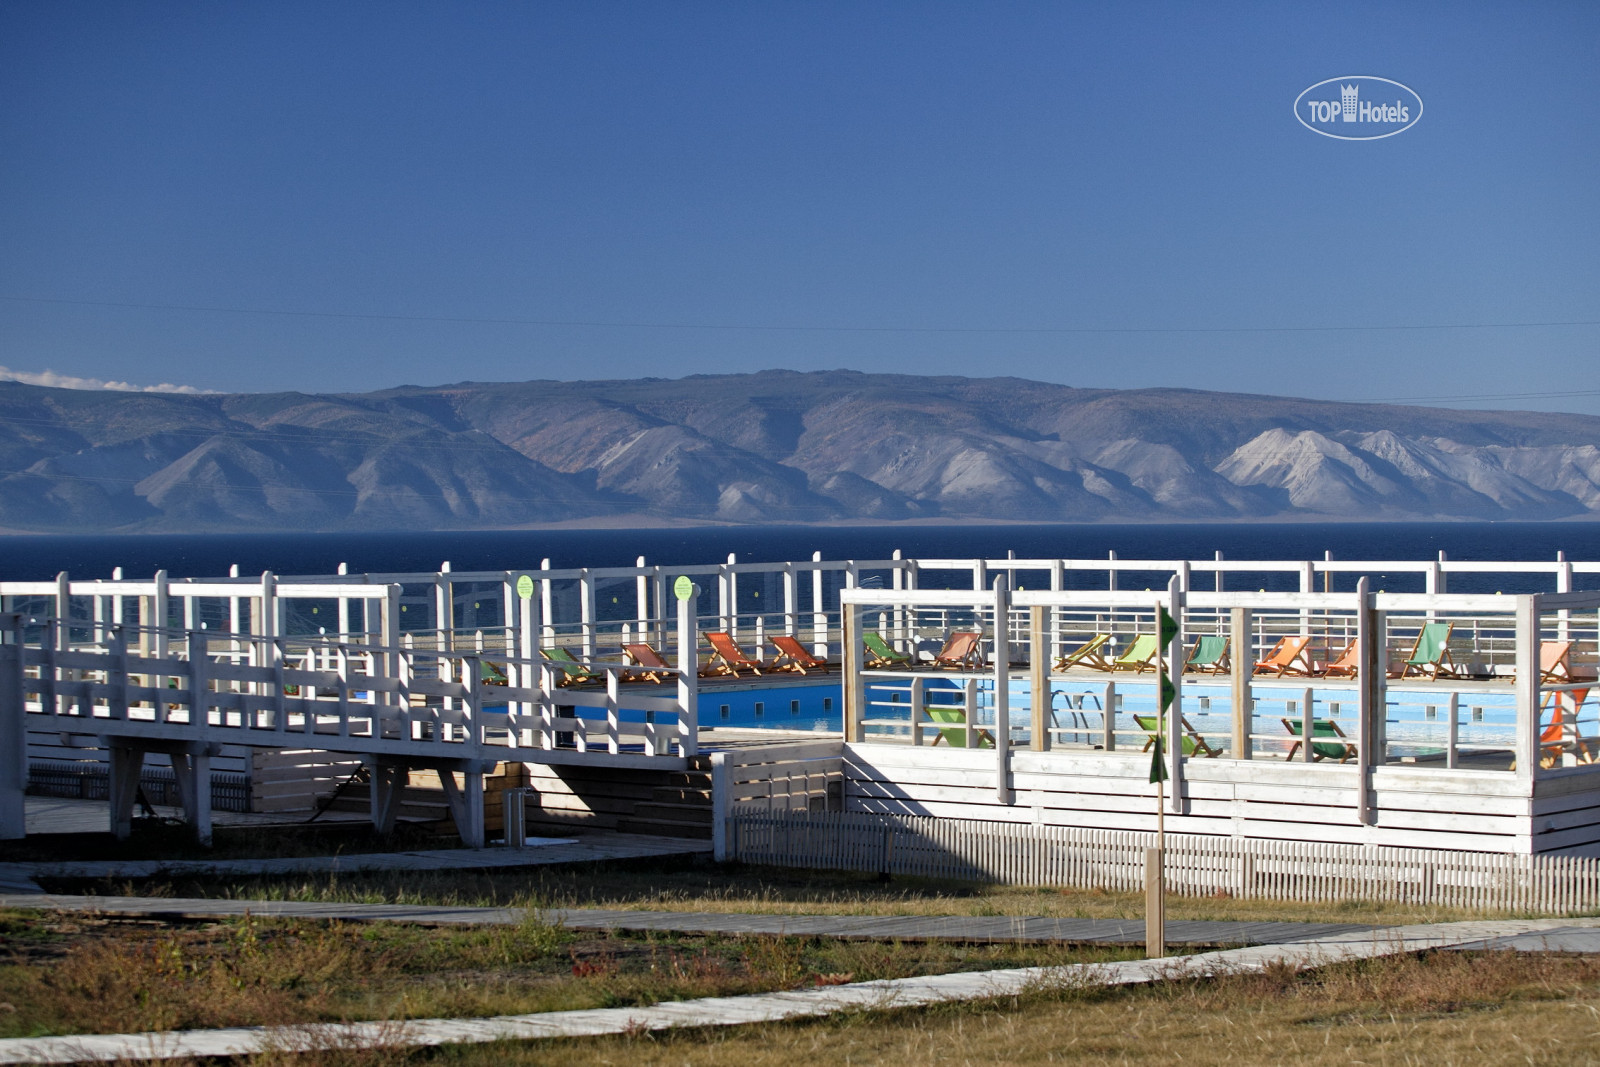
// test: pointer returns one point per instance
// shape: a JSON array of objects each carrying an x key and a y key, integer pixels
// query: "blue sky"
[{"x": 1095, "y": 194}]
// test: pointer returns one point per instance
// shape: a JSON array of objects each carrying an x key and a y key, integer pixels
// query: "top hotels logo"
[{"x": 1358, "y": 107}]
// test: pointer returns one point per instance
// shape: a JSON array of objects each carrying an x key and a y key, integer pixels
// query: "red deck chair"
[
  {"x": 731, "y": 656},
  {"x": 654, "y": 667},
  {"x": 961, "y": 651},
  {"x": 792, "y": 656}
]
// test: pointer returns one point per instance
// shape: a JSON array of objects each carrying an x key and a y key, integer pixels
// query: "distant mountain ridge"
[{"x": 777, "y": 446}]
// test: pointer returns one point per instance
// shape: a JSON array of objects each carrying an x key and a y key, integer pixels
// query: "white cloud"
[{"x": 68, "y": 381}]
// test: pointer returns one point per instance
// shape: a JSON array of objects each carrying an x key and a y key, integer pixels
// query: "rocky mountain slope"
[{"x": 770, "y": 447}]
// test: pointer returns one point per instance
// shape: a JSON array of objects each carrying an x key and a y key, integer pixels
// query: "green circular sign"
[
  {"x": 683, "y": 588},
  {"x": 525, "y": 587}
]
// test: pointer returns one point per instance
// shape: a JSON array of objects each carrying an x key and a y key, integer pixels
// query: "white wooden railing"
[{"x": 1196, "y": 866}]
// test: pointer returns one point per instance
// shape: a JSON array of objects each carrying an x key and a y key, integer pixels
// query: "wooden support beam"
[
  {"x": 1039, "y": 654},
  {"x": 193, "y": 774},
  {"x": 125, "y": 765},
  {"x": 13, "y": 733},
  {"x": 1242, "y": 662},
  {"x": 1527, "y": 687},
  {"x": 1371, "y": 698},
  {"x": 855, "y": 689},
  {"x": 1002, "y": 689}
]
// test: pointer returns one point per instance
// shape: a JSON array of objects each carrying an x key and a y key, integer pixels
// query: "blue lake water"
[{"x": 37, "y": 558}]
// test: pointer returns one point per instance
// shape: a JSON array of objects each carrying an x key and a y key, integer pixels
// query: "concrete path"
[
  {"x": 590, "y": 848},
  {"x": 957, "y": 928},
  {"x": 764, "y": 1007}
]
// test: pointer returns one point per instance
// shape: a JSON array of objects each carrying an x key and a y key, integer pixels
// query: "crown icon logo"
[{"x": 1347, "y": 97}]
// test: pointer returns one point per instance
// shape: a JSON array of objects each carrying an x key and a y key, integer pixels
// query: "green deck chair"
[
  {"x": 1138, "y": 656},
  {"x": 1341, "y": 750},
  {"x": 572, "y": 672},
  {"x": 491, "y": 673},
  {"x": 955, "y": 735},
  {"x": 1193, "y": 743},
  {"x": 882, "y": 655},
  {"x": 1210, "y": 655},
  {"x": 1430, "y": 656},
  {"x": 1088, "y": 654}
]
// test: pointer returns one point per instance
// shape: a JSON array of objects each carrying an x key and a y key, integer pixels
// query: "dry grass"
[
  {"x": 92, "y": 975},
  {"x": 695, "y": 884},
  {"x": 1442, "y": 1008},
  {"x": 1445, "y": 1008}
]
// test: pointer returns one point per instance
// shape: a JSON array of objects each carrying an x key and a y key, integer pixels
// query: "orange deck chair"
[
  {"x": 1348, "y": 663},
  {"x": 653, "y": 667},
  {"x": 792, "y": 656},
  {"x": 1562, "y": 733},
  {"x": 731, "y": 656},
  {"x": 1288, "y": 656},
  {"x": 961, "y": 651},
  {"x": 1555, "y": 661}
]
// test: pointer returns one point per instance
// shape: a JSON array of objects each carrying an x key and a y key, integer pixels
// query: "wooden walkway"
[
  {"x": 897, "y": 993},
  {"x": 954, "y": 928},
  {"x": 590, "y": 848}
]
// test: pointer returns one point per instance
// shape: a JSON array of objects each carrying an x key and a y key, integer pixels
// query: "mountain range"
[{"x": 771, "y": 447}]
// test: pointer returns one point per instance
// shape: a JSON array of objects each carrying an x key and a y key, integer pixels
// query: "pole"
[{"x": 1155, "y": 883}]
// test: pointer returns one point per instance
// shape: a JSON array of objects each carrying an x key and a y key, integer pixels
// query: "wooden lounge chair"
[
  {"x": 732, "y": 658},
  {"x": 1341, "y": 749},
  {"x": 653, "y": 667},
  {"x": 1430, "y": 656},
  {"x": 1288, "y": 656},
  {"x": 792, "y": 656},
  {"x": 1210, "y": 655},
  {"x": 1555, "y": 661},
  {"x": 1193, "y": 743},
  {"x": 1561, "y": 736},
  {"x": 1088, "y": 654},
  {"x": 1139, "y": 657},
  {"x": 881, "y": 655},
  {"x": 491, "y": 673},
  {"x": 955, "y": 734},
  {"x": 1348, "y": 663},
  {"x": 962, "y": 651},
  {"x": 571, "y": 671}
]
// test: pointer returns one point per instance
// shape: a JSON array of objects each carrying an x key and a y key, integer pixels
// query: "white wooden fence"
[{"x": 1196, "y": 866}]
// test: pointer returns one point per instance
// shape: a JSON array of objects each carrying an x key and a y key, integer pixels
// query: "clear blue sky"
[{"x": 913, "y": 187}]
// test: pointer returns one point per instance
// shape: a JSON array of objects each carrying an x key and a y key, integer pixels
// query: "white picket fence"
[{"x": 1196, "y": 866}]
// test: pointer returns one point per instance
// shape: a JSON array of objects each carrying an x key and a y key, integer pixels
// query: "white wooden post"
[
  {"x": 688, "y": 677},
  {"x": 819, "y": 614},
  {"x": 1177, "y": 587},
  {"x": 641, "y": 597},
  {"x": 1108, "y": 720},
  {"x": 855, "y": 690},
  {"x": 1039, "y": 656},
  {"x": 791, "y": 601},
  {"x": 443, "y": 607},
  {"x": 1002, "y": 688},
  {"x": 1453, "y": 731},
  {"x": 271, "y": 655},
  {"x": 1527, "y": 686},
  {"x": 1241, "y": 667},
  {"x": 547, "y": 615},
  {"x": 720, "y": 805},
  {"x": 63, "y": 610},
  {"x": 1371, "y": 698},
  {"x": 525, "y": 675},
  {"x": 586, "y": 613},
  {"x": 13, "y": 733}
]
